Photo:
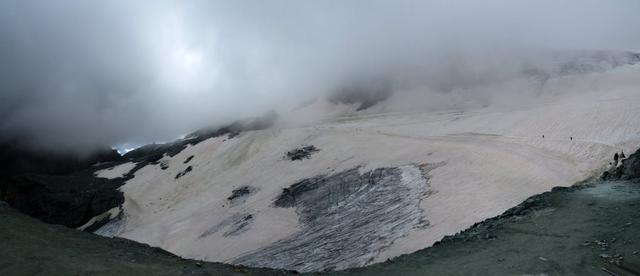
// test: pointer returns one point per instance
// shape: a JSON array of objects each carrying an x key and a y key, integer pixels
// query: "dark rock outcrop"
[
  {"x": 301, "y": 153},
  {"x": 240, "y": 194},
  {"x": 183, "y": 173},
  {"x": 629, "y": 169},
  {"x": 70, "y": 200},
  {"x": 57, "y": 188},
  {"x": 188, "y": 159}
]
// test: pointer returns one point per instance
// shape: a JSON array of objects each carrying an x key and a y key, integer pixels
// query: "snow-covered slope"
[{"x": 382, "y": 183}]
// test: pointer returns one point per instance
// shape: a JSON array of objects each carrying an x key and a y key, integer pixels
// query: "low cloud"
[{"x": 77, "y": 75}]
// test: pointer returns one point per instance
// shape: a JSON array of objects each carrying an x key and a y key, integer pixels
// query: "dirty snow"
[{"x": 115, "y": 172}]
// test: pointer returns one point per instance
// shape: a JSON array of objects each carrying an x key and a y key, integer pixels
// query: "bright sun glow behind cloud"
[
  {"x": 191, "y": 58},
  {"x": 182, "y": 67},
  {"x": 186, "y": 63}
]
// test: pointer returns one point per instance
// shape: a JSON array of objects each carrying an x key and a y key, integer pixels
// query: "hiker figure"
[
  {"x": 542, "y": 136},
  {"x": 615, "y": 158},
  {"x": 571, "y": 138}
]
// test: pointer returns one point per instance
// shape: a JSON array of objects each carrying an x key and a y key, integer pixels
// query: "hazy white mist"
[{"x": 76, "y": 75}]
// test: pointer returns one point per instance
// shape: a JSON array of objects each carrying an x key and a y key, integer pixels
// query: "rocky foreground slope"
[{"x": 31, "y": 247}]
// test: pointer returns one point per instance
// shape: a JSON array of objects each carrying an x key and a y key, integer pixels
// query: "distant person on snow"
[{"x": 615, "y": 158}]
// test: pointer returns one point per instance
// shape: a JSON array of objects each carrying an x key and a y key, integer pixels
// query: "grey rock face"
[
  {"x": 188, "y": 159},
  {"x": 183, "y": 173},
  {"x": 301, "y": 153},
  {"x": 240, "y": 195},
  {"x": 348, "y": 218},
  {"x": 630, "y": 169},
  {"x": 58, "y": 188}
]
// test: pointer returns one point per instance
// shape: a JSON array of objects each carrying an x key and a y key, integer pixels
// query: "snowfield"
[
  {"x": 116, "y": 171},
  {"x": 452, "y": 165}
]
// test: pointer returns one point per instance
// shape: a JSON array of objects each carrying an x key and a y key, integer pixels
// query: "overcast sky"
[{"x": 76, "y": 75}]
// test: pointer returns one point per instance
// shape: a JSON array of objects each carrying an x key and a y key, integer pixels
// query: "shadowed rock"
[
  {"x": 71, "y": 200},
  {"x": 183, "y": 173},
  {"x": 240, "y": 195},
  {"x": 629, "y": 169},
  {"x": 301, "y": 153},
  {"x": 57, "y": 188},
  {"x": 188, "y": 159}
]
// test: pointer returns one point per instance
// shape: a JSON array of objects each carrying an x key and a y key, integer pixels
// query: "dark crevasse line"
[{"x": 347, "y": 218}]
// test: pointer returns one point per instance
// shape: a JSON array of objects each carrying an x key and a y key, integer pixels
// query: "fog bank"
[{"x": 77, "y": 75}]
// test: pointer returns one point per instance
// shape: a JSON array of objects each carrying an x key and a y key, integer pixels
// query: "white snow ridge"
[{"x": 388, "y": 180}]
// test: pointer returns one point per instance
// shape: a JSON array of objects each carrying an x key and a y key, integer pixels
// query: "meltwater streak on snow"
[{"x": 494, "y": 158}]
